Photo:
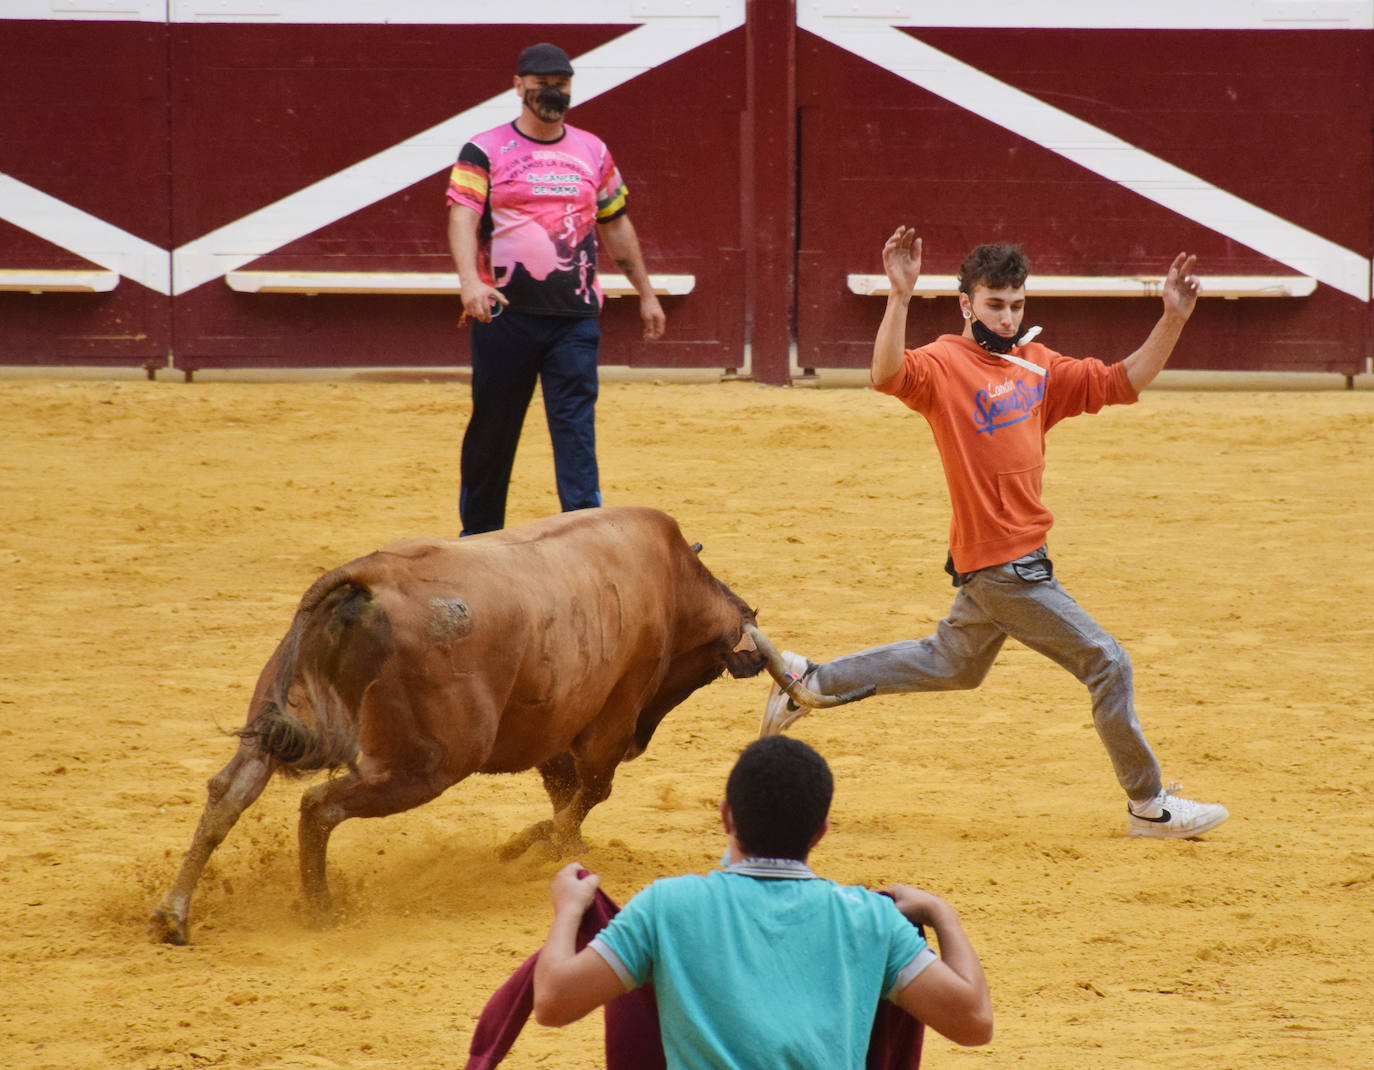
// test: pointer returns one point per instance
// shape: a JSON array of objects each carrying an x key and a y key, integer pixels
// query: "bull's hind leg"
[
  {"x": 325, "y": 805},
  {"x": 231, "y": 790}
]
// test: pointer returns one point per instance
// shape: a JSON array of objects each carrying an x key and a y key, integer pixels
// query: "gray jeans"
[{"x": 994, "y": 603}]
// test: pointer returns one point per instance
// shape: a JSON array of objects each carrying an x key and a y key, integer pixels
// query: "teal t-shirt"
[{"x": 774, "y": 974}]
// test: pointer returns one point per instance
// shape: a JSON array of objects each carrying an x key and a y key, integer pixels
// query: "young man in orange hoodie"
[{"x": 990, "y": 395}]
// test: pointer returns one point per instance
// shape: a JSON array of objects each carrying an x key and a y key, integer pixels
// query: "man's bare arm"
[
  {"x": 478, "y": 296},
  {"x": 569, "y": 983},
  {"x": 902, "y": 262},
  {"x": 951, "y": 995},
  {"x": 1181, "y": 288},
  {"x": 622, "y": 242}
]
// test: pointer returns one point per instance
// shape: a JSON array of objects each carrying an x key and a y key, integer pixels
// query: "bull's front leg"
[
  {"x": 574, "y": 787},
  {"x": 561, "y": 783},
  {"x": 593, "y": 787},
  {"x": 230, "y": 791}
]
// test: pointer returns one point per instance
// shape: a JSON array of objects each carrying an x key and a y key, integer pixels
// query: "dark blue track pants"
[{"x": 509, "y": 355}]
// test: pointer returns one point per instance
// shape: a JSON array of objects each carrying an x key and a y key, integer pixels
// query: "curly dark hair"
[
  {"x": 995, "y": 266},
  {"x": 779, "y": 794}
]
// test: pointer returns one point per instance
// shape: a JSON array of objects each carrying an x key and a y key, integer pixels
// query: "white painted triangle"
[
  {"x": 402, "y": 165},
  {"x": 873, "y": 36},
  {"x": 880, "y": 42},
  {"x": 88, "y": 236},
  {"x": 1102, "y": 14},
  {"x": 673, "y": 27}
]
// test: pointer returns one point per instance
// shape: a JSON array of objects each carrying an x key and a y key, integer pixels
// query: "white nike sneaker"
[
  {"x": 780, "y": 711},
  {"x": 1170, "y": 816}
]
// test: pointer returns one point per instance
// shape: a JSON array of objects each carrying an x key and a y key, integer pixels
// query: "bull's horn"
[{"x": 797, "y": 691}]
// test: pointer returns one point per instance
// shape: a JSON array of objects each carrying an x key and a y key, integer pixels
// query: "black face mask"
[
  {"x": 548, "y": 103},
  {"x": 991, "y": 340}
]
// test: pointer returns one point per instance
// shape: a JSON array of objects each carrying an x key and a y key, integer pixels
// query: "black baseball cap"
[{"x": 544, "y": 58}]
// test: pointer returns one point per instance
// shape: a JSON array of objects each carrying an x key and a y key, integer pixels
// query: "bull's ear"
[{"x": 745, "y": 643}]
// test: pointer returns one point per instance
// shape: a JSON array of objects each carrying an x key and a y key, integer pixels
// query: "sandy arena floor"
[{"x": 156, "y": 536}]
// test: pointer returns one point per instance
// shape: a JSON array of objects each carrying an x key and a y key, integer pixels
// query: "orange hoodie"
[{"x": 989, "y": 418}]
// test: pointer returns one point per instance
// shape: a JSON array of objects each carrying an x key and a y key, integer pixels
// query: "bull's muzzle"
[{"x": 797, "y": 691}]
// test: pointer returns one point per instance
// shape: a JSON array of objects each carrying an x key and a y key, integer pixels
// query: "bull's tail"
[
  {"x": 284, "y": 738},
  {"x": 307, "y": 717}
]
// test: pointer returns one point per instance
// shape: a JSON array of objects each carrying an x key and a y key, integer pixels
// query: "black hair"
[
  {"x": 996, "y": 266},
  {"x": 779, "y": 795}
]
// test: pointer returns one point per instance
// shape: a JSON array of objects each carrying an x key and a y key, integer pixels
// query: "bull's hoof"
[
  {"x": 319, "y": 911},
  {"x": 517, "y": 845},
  {"x": 544, "y": 837},
  {"x": 169, "y": 926},
  {"x": 569, "y": 846}
]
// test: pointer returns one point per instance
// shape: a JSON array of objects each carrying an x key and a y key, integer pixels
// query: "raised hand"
[
  {"x": 902, "y": 260},
  {"x": 1181, "y": 286}
]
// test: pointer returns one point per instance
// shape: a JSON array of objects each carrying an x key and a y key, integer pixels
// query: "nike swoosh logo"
[{"x": 1164, "y": 816}]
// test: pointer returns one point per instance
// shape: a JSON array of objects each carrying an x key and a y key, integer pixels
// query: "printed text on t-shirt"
[{"x": 1012, "y": 402}]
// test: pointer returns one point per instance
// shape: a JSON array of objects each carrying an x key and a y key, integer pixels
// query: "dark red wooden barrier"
[
  {"x": 766, "y": 161},
  {"x": 83, "y": 132},
  {"x": 885, "y": 151},
  {"x": 265, "y": 103}
]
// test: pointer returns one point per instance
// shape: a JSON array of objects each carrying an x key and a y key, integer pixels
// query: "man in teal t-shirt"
[{"x": 763, "y": 963}]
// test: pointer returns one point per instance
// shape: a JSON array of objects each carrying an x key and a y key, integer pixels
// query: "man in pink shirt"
[
  {"x": 990, "y": 395},
  {"x": 527, "y": 202}
]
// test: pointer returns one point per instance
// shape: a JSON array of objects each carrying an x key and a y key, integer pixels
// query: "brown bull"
[{"x": 557, "y": 646}]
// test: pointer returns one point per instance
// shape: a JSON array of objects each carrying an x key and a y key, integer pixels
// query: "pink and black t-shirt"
[{"x": 540, "y": 202}]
